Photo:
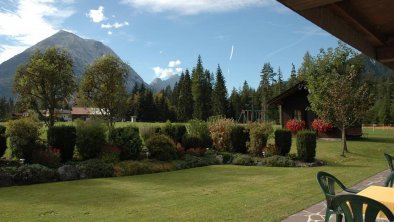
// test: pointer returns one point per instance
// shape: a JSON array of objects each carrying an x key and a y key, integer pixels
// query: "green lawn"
[{"x": 215, "y": 193}]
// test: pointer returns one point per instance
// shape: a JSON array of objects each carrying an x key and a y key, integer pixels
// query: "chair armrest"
[{"x": 349, "y": 190}]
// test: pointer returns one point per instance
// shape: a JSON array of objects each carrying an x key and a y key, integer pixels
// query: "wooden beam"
[
  {"x": 348, "y": 13},
  {"x": 334, "y": 24},
  {"x": 300, "y": 5},
  {"x": 385, "y": 54}
]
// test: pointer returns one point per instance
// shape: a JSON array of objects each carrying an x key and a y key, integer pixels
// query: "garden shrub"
[
  {"x": 49, "y": 157},
  {"x": 239, "y": 138},
  {"x": 227, "y": 157},
  {"x": 147, "y": 131},
  {"x": 34, "y": 173},
  {"x": 3, "y": 140},
  {"x": 278, "y": 161},
  {"x": 196, "y": 151},
  {"x": 191, "y": 161},
  {"x": 161, "y": 147},
  {"x": 306, "y": 145},
  {"x": 128, "y": 140},
  {"x": 200, "y": 129},
  {"x": 110, "y": 153},
  {"x": 9, "y": 163},
  {"x": 95, "y": 168},
  {"x": 283, "y": 141},
  {"x": 242, "y": 159},
  {"x": 7, "y": 176},
  {"x": 24, "y": 135},
  {"x": 192, "y": 141},
  {"x": 175, "y": 131},
  {"x": 259, "y": 134},
  {"x": 321, "y": 125},
  {"x": 220, "y": 132},
  {"x": 63, "y": 138},
  {"x": 130, "y": 167},
  {"x": 271, "y": 150},
  {"x": 90, "y": 138}
]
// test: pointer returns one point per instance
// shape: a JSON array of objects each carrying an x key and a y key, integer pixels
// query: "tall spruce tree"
[
  {"x": 279, "y": 85},
  {"x": 207, "y": 95},
  {"x": 265, "y": 90},
  {"x": 185, "y": 101},
  {"x": 293, "y": 77},
  {"x": 197, "y": 89},
  {"x": 234, "y": 104},
  {"x": 219, "y": 96}
]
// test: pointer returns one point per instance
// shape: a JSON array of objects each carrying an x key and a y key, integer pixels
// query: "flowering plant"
[
  {"x": 321, "y": 125},
  {"x": 295, "y": 125}
]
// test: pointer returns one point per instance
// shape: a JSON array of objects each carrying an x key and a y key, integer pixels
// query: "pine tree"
[
  {"x": 219, "y": 96},
  {"x": 265, "y": 90},
  {"x": 197, "y": 90},
  {"x": 207, "y": 95},
  {"x": 279, "y": 85},
  {"x": 234, "y": 104},
  {"x": 293, "y": 77},
  {"x": 185, "y": 101}
]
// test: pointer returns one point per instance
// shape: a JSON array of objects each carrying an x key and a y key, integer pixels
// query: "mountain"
[
  {"x": 83, "y": 52},
  {"x": 159, "y": 84}
]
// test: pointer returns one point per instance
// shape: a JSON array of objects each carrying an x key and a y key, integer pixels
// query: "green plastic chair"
[
  {"x": 389, "y": 182},
  {"x": 352, "y": 207},
  {"x": 389, "y": 159},
  {"x": 327, "y": 183}
]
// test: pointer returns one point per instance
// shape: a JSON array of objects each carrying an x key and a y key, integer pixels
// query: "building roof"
[
  {"x": 278, "y": 99},
  {"x": 364, "y": 24},
  {"x": 80, "y": 111}
]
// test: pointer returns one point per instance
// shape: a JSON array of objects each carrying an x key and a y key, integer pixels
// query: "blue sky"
[{"x": 159, "y": 38}]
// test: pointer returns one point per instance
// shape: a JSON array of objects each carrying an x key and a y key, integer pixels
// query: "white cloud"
[
  {"x": 174, "y": 63},
  {"x": 192, "y": 7},
  {"x": 115, "y": 25},
  {"x": 28, "y": 22},
  {"x": 97, "y": 15},
  {"x": 172, "y": 69},
  {"x": 109, "y": 33}
]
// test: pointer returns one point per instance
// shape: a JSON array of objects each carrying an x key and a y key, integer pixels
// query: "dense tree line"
[{"x": 199, "y": 93}]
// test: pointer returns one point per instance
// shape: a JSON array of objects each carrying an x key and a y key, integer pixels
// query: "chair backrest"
[
  {"x": 358, "y": 208},
  {"x": 389, "y": 159},
  {"x": 327, "y": 183},
  {"x": 389, "y": 180}
]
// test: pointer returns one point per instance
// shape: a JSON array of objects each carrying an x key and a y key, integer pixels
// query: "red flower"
[
  {"x": 321, "y": 125},
  {"x": 295, "y": 125}
]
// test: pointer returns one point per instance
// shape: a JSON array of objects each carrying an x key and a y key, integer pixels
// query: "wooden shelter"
[
  {"x": 294, "y": 104},
  {"x": 364, "y": 24}
]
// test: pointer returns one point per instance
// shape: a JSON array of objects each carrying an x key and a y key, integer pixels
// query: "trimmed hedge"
[
  {"x": 239, "y": 138},
  {"x": 128, "y": 140},
  {"x": 90, "y": 138},
  {"x": 161, "y": 147},
  {"x": 306, "y": 145},
  {"x": 175, "y": 131},
  {"x": 24, "y": 136},
  {"x": 192, "y": 141},
  {"x": 94, "y": 168},
  {"x": 283, "y": 141},
  {"x": 63, "y": 138},
  {"x": 3, "y": 140},
  {"x": 278, "y": 161}
]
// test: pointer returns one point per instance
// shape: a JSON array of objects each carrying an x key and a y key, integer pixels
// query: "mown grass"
[{"x": 214, "y": 193}]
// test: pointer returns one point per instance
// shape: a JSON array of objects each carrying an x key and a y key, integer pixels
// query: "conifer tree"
[
  {"x": 293, "y": 77},
  {"x": 197, "y": 89},
  {"x": 185, "y": 101},
  {"x": 219, "y": 96},
  {"x": 234, "y": 104}
]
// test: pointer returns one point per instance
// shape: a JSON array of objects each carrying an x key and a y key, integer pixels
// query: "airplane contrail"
[{"x": 232, "y": 51}]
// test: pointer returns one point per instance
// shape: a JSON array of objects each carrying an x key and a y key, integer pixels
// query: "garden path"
[{"x": 316, "y": 212}]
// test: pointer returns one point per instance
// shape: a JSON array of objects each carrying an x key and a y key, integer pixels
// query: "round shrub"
[
  {"x": 283, "y": 141},
  {"x": 95, "y": 168},
  {"x": 63, "y": 138},
  {"x": 34, "y": 173},
  {"x": 243, "y": 159},
  {"x": 90, "y": 138},
  {"x": 278, "y": 161},
  {"x": 24, "y": 135},
  {"x": 161, "y": 147},
  {"x": 128, "y": 140},
  {"x": 306, "y": 145},
  {"x": 259, "y": 134},
  {"x": 192, "y": 141},
  {"x": 3, "y": 140},
  {"x": 175, "y": 131},
  {"x": 239, "y": 138}
]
